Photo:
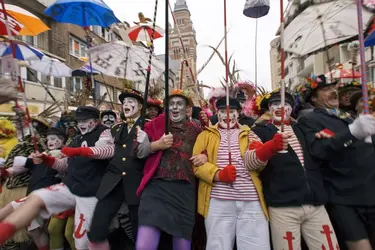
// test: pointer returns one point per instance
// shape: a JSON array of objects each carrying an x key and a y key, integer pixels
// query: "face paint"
[
  {"x": 86, "y": 126},
  {"x": 108, "y": 120},
  {"x": 130, "y": 106},
  {"x": 177, "y": 109},
  {"x": 54, "y": 142},
  {"x": 222, "y": 116},
  {"x": 275, "y": 110}
]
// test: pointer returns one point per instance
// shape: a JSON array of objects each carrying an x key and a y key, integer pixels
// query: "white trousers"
[
  {"x": 58, "y": 199},
  {"x": 38, "y": 222},
  {"x": 241, "y": 220}
]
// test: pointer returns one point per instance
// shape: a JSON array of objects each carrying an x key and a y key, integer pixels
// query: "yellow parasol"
[{"x": 28, "y": 24}]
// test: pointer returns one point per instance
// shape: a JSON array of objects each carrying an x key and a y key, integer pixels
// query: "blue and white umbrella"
[
  {"x": 24, "y": 52},
  {"x": 82, "y": 12}
]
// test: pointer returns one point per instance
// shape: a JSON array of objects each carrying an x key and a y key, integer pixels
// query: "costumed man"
[
  {"x": 61, "y": 226},
  {"x": 292, "y": 182},
  {"x": 229, "y": 196},
  {"x": 348, "y": 172},
  {"x": 345, "y": 92},
  {"x": 215, "y": 94},
  {"x": 86, "y": 162},
  {"x": 41, "y": 176},
  {"x": 168, "y": 187},
  {"x": 123, "y": 174},
  {"x": 15, "y": 187},
  {"x": 108, "y": 118}
]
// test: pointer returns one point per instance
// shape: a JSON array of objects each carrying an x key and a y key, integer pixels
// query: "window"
[
  {"x": 32, "y": 40},
  {"x": 77, "y": 47},
  {"x": 57, "y": 82},
  {"x": 32, "y": 75},
  {"x": 76, "y": 84},
  {"x": 46, "y": 79}
]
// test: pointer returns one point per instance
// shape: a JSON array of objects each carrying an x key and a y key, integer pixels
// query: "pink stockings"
[{"x": 148, "y": 239}]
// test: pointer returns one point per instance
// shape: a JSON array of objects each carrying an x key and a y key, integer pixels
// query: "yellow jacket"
[{"x": 209, "y": 141}]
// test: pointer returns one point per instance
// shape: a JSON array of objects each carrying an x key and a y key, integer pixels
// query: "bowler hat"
[
  {"x": 87, "y": 112},
  {"x": 233, "y": 103}
]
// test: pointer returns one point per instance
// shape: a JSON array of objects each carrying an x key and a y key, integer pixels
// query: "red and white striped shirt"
[
  {"x": 243, "y": 188},
  {"x": 253, "y": 163}
]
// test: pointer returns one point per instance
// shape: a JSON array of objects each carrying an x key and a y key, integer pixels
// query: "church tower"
[{"x": 185, "y": 25}]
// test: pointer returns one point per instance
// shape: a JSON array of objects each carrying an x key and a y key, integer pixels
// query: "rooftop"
[{"x": 180, "y": 5}]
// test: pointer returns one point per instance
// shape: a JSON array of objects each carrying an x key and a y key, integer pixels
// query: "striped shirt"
[
  {"x": 243, "y": 188},
  {"x": 253, "y": 163}
]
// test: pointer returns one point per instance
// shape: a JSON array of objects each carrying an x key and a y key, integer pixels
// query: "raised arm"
[{"x": 104, "y": 148}]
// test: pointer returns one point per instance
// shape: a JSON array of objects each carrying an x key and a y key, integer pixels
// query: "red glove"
[
  {"x": 255, "y": 144},
  {"x": 48, "y": 160},
  {"x": 270, "y": 148},
  {"x": 228, "y": 174},
  {"x": 71, "y": 152},
  {"x": 3, "y": 173}
]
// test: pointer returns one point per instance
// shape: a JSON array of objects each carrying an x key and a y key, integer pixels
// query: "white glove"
[
  {"x": 19, "y": 162},
  {"x": 2, "y": 162},
  {"x": 142, "y": 137},
  {"x": 363, "y": 126}
]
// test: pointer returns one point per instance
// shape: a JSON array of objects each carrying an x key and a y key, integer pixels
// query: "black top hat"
[
  {"x": 233, "y": 103},
  {"x": 56, "y": 131},
  {"x": 195, "y": 112},
  {"x": 131, "y": 93},
  {"x": 87, "y": 112},
  {"x": 107, "y": 112},
  {"x": 276, "y": 97}
]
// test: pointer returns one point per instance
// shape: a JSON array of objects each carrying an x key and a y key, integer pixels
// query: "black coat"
[
  {"x": 286, "y": 182},
  {"x": 84, "y": 174},
  {"x": 124, "y": 167},
  {"x": 348, "y": 163}
]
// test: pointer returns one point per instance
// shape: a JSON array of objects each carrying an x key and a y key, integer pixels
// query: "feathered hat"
[
  {"x": 129, "y": 91},
  {"x": 181, "y": 93},
  {"x": 247, "y": 87},
  {"x": 153, "y": 100},
  {"x": 216, "y": 93}
]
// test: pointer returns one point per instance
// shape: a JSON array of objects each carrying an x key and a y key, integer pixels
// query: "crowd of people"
[{"x": 261, "y": 176}]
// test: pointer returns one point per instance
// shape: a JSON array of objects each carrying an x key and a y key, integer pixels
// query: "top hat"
[
  {"x": 275, "y": 96},
  {"x": 107, "y": 112},
  {"x": 87, "y": 112},
  {"x": 131, "y": 93},
  {"x": 56, "y": 131},
  {"x": 233, "y": 103}
]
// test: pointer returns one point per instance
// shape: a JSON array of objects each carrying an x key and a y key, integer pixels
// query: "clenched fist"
[
  {"x": 227, "y": 174},
  {"x": 165, "y": 142}
]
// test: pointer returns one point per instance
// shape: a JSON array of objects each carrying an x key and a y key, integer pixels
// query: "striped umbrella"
[
  {"x": 23, "y": 51},
  {"x": 143, "y": 32}
]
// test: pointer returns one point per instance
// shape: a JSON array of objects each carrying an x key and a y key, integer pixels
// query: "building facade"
[
  {"x": 297, "y": 68},
  {"x": 67, "y": 43},
  {"x": 176, "y": 52}
]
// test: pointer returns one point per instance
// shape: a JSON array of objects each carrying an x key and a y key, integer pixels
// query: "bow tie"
[{"x": 130, "y": 121}]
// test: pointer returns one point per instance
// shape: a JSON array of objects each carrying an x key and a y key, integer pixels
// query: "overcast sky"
[{"x": 207, "y": 16}]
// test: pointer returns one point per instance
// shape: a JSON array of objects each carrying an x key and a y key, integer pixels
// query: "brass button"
[
  {"x": 124, "y": 146},
  {"x": 123, "y": 173},
  {"x": 124, "y": 159}
]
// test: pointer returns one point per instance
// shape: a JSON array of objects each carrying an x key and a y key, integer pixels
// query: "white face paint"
[
  {"x": 54, "y": 142},
  {"x": 108, "y": 120},
  {"x": 233, "y": 117},
  {"x": 86, "y": 126},
  {"x": 177, "y": 109},
  {"x": 275, "y": 110},
  {"x": 130, "y": 107}
]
